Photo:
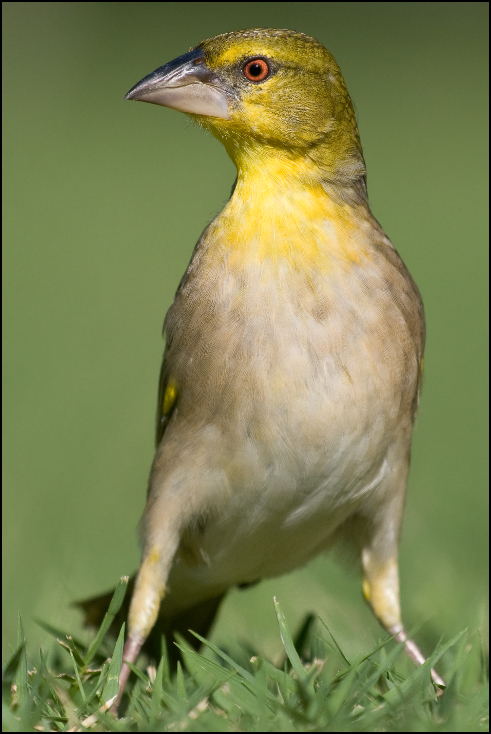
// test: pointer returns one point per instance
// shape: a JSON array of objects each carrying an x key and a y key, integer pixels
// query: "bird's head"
[{"x": 263, "y": 93}]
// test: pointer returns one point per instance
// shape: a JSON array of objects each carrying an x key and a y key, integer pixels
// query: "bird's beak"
[{"x": 185, "y": 84}]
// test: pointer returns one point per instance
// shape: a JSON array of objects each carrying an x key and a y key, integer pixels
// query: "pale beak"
[{"x": 185, "y": 84}]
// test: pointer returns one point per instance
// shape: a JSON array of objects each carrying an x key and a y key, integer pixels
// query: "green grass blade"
[
  {"x": 155, "y": 702},
  {"x": 21, "y": 674},
  {"x": 338, "y": 648},
  {"x": 10, "y": 671},
  {"x": 58, "y": 633},
  {"x": 114, "y": 607},
  {"x": 287, "y": 640},
  {"x": 111, "y": 686},
  {"x": 238, "y": 668}
]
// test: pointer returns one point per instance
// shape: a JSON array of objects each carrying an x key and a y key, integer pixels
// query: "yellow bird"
[{"x": 294, "y": 348}]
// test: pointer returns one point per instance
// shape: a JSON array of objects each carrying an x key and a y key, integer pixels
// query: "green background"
[{"x": 104, "y": 201}]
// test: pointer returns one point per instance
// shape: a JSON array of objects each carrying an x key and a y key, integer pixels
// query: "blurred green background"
[{"x": 104, "y": 201}]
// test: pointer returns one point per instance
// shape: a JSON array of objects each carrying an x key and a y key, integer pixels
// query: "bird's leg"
[
  {"x": 381, "y": 590},
  {"x": 130, "y": 653},
  {"x": 145, "y": 603}
]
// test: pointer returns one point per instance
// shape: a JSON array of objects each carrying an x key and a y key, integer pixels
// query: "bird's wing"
[{"x": 166, "y": 401}]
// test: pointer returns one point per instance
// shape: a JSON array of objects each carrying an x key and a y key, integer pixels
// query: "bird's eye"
[{"x": 256, "y": 70}]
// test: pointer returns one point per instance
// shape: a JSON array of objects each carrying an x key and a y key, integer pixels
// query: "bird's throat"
[{"x": 280, "y": 210}]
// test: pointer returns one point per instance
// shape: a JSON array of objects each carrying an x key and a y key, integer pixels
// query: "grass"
[{"x": 316, "y": 688}]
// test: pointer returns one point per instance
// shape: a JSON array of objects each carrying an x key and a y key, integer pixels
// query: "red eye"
[{"x": 256, "y": 70}]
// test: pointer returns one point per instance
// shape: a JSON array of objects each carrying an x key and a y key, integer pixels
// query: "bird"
[{"x": 293, "y": 358}]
